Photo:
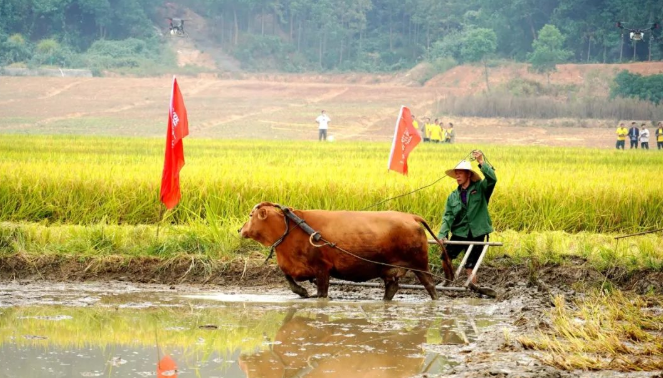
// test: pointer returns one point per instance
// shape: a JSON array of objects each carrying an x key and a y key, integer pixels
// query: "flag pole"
[
  {"x": 162, "y": 213},
  {"x": 162, "y": 206}
]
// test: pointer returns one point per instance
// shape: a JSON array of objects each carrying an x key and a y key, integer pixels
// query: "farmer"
[
  {"x": 323, "y": 124},
  {"x": 633, "y": 134},
  {"x": 644, "y": 137},
  {"x": 466, "y": 212},
  {"x": 621, "y": 136},
  {"x": 659, "y": 136}
]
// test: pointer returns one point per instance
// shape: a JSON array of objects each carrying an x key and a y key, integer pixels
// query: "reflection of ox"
[
  {"x": 391, "y": 239},
  {"x": 306, "y": 347}
]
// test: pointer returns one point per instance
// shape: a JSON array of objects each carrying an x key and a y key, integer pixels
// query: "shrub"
[
  {"x": 14, "y": 49},
  {"x": 130, "y": 53},
  {"x": 633, "y": 85}
]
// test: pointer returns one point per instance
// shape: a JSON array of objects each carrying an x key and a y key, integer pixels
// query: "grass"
[
  {"x": 603, "y": 331},
  {"x": 220, "y": 242},
  {"x": 96, "y": 196}
]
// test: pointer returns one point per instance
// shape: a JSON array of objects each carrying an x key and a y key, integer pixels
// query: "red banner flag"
[
  {"x": 178, "y": 128},
  {"x": 406, "y": 137}
]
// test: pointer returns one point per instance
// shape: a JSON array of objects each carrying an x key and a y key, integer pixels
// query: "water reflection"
[
  {"x": 166, "y": 367},
  {"x": 194, "y": 338},
  {"x": 344, "y": 347}
]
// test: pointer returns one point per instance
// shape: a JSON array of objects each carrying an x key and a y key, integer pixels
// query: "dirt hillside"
[
  {"x": 281, "y": 106},
  {"x": 468, "y": 79}
]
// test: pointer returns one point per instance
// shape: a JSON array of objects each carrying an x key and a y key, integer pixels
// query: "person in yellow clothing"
[
  {"x": 436, "y": 132},
  {"x": 659, "y": 136},
  {"x": 415, "y": 124},
  {"x": 427, "y": 127},
  {"x": 622, "y": 132}
]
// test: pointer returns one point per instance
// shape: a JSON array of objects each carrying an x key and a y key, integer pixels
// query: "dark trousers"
[
  {"x": 620, "y": 144},
  {"x": 322, "y": 134},
  {"x": 426, "y": 139},
  {"x": 454, "y": 250},
  {"x": 634, "y": 143},
  {"x": 659, "y": 145},
  {"x": 644, "y": 145}
]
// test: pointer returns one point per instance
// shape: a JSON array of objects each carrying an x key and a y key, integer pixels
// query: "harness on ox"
[{"x": 314, "y": 236}]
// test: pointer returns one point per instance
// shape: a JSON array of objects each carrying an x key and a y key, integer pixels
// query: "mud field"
[
  {"x": 244, "y": 322},
  {"x": 350, "y": 335}
]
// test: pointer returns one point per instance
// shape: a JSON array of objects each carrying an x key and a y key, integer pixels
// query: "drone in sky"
[
  {"x": 177, "y": 26},
  {"x": 638, "y": 34}
]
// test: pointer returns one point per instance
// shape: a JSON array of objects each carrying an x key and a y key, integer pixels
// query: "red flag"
[
  {"x": 406, "y": 137},
  {"x": 178, "y": 128}
]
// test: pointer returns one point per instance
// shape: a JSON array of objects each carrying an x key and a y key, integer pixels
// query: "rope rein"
[
  {"x": 327, "y": 243},
  {"x": 469, "y": 157}
]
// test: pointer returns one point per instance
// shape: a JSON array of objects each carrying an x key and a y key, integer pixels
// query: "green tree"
[
  {"x": 47, "y": 51},
  {"x": 15, "y": 49},
  {"x": 633, "y": 85},
  {"x": 478, "y": 46},
  {"x": 548, "y": 51}
]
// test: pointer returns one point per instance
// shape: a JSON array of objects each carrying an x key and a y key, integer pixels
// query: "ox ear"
[{"x": 262, "y": 213}]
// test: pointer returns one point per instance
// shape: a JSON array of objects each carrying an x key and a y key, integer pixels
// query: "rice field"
[{"x": 99, "y": 195}]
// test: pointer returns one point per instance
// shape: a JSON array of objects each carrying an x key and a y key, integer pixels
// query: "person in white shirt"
[
  {"x": 323, "y": 124},
  {"x": 644, "y": 137}
]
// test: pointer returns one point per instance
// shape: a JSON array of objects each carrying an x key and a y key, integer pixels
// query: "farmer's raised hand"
[{"x": 478, "y": 155}]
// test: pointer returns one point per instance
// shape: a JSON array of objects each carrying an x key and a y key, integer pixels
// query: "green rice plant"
[
  {"x": 81, "y": 180},
  {"x": 99, "y": 196}
]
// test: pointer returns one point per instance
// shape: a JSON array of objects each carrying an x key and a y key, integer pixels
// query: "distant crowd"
[
  {"x": 430, "y": 132},
  {"x": 638, "y": 136},
  {"x": 434, "y": 132}
]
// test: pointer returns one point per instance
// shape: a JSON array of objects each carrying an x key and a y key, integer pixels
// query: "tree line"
[{"x": 360, "y": 35}]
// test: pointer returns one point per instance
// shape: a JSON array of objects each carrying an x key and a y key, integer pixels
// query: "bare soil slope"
[
  {"x": 278, "y": 106},
  {"x": 470, "y": 79}
]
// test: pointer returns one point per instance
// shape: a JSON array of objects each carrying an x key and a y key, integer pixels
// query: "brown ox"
[{"x": 385, "y": 237}]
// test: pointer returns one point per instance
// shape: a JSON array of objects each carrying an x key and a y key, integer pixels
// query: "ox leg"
[
  {"x": 322, "y": 282},
  {"x": 428, "y": 283},
  {"x": 391, "y": 287},
  {"x": 296, "y": 288}
]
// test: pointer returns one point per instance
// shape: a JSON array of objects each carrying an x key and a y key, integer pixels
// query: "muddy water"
[{"x": 117, "y": 330}]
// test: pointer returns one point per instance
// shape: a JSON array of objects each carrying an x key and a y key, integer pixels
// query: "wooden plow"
[{"x": 468, "y": 285}]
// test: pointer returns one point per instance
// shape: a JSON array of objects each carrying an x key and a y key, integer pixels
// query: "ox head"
[{"x": 265, "y": 224}]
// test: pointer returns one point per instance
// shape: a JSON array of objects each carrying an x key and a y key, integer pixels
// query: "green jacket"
[{"x": 460, "y": 218}]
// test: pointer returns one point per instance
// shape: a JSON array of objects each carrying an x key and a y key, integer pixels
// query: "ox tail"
[{"x": 446, "y": 261}]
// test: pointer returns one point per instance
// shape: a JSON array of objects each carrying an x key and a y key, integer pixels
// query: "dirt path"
[{"x": 61, "y": 90}]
